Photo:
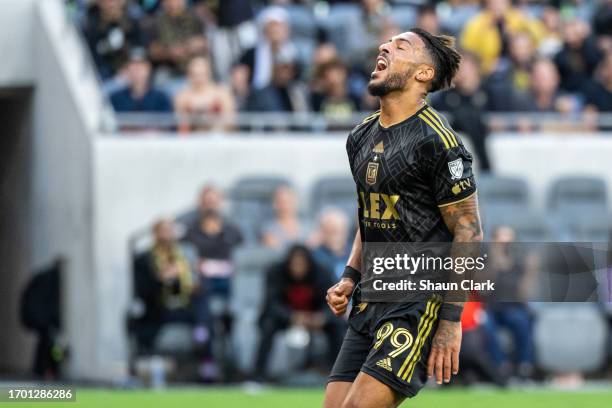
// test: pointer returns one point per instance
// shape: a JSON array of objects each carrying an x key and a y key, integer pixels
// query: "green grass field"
[{"x": 299, "y": 398}]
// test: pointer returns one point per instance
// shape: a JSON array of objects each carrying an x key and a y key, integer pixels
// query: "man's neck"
[{"x": 397, "y": 107}]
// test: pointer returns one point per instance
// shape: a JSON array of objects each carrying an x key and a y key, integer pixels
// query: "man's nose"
[{"x": 384, "y": 47}]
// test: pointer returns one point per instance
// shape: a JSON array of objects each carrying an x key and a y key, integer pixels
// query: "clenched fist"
[{"x": 338, "y": 296}]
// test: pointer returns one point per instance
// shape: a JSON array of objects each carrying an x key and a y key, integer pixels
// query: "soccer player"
[{"x": 415, "y": 184}]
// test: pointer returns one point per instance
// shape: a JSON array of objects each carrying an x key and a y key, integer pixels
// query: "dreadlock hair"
[{"x": 445, "y": 58}]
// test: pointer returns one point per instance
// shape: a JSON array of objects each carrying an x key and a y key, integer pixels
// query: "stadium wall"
[{"x": 43, "y": 53}]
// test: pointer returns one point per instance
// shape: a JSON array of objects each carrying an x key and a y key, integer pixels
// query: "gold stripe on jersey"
[
  {"x": 425, "y": 318},
  {"x": 431, "y": 125},
  {"x": 440, "y": 123},
  {"x": 456, "y": 202},
  {"x": 371, "y": 117},
  {"x": 408, "y": 374}
]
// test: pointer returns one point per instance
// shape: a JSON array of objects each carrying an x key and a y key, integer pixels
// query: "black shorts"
[{"x": 390, "y": 342}]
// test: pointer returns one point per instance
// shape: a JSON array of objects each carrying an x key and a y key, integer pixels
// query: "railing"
[{"x": 129, "y": 123}]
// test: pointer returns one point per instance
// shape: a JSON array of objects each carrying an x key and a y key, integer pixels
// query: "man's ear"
[{"x": 425, "y": 73}]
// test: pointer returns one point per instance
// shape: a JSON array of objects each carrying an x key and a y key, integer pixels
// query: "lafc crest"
[{"x": 372, "y": 171}]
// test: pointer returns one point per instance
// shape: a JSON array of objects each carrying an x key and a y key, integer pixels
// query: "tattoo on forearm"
[{"x": 463, "y": 220}]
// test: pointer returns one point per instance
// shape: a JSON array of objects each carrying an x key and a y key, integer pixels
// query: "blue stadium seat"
[
  {"x": 252, "y": 197},
  {"x": 302, "y": 21},
  {"x": 570, "y": 337},
  {"x": 579, "y": 206},
  {"x": 530, "y": 226},
  {"x": 578, "y": 194},
  {"x": 404, "y": 16},
  {"x": 338, "y": 192},
  {"x": 338, "y": 22},
  {"x": 247, "y": 297},
  {"x": 503, "y": 193}
]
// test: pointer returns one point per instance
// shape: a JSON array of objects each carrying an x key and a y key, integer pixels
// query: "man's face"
[
  {"x": 164, "y": 232},
  {"x": 111, "y": 7},
  {"x": 211, "y": 199},
  {"x": 397, "y": 63},
  {"x": 174, "y": 7},
  {"x": 139, "y": 72},
  {"x": 276, "y": 31}
]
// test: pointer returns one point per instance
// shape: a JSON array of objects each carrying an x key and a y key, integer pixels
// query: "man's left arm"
[{"x": 463, "y": 221}]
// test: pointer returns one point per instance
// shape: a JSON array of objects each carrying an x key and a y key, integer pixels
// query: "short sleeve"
[
  {"x": 350, "y": 149},
  {"x": 450, "y": 175}
]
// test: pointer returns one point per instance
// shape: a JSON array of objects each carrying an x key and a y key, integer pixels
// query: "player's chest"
[{"x": 384, "y": 163}]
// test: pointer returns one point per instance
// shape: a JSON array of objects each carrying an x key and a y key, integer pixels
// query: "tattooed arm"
[{"x": 463, "y": 220}]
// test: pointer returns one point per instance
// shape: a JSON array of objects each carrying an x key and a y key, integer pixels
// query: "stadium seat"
[
  {"x": 338, "y": 192},
  {"x": 498, "y": 194},
  {"x": 302, "y": 20},
  {"x": 570, "y": 337},
  {"x": 530, "y": 226},
  {"x": 252, "y": 197},
  {"x": 338, "y": 22},
  {"x": 578, "y": 195},
  {"x": 247, "y": 296},
  {"x": 404, "y": 16},
  {"x": 579, "y": 206}
]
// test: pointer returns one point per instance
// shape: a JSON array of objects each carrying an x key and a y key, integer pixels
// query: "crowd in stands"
[
  {"x": 206, "y": 57},
  {"x": 188, "y": 270}
]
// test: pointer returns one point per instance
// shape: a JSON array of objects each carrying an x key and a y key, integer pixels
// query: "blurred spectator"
[
  {"x": 334, "y": 248},
  {"x": 286, "y": 228},
  {"x": 551, "y": 41},
  {"x": 110, "y": 32},
  {"x": 365, "y": 37},
  {"x": 235, "y": 32},
  {"x": 468, "y": 102},
  {"x": 509, "y": 272},
  {"x": 40, "y": 312},
  {"x": 522, "y": 54},
  {"x": 284, "y": 94},
  {"x": 167, "y": 282},
  {"x": 295, "y": 298},
  {"x": 427, "y": 19},
  {"x": 476, "y": 366},
  {"x": 579, "y": 56},
  {"x": 215, "y": 240},
  {"x": 333, "y": 98},
  {"x": 177, "y": 35},
  {"x": 202, "y": 96},
  {"x": 139, "y": 95},
  {"x": 599, "y": 94},
  {"x": 256, "y": 68},
  {"x": 545, "y": 95},
  {"x": 602, "y": 22},
  {"x": 488, "y": 33}
]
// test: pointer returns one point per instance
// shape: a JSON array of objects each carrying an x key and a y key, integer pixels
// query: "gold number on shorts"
[
  {"x": 382, "y": 333},
  {"x": 402, "y": 340}
]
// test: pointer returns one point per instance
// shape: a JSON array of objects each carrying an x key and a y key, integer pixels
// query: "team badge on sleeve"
[{"x": 456, "y": 168}]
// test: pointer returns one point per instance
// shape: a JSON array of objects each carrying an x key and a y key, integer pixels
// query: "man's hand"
[
  {"x": 339, "y": 294},
  {"x": 444, "y": 355}
]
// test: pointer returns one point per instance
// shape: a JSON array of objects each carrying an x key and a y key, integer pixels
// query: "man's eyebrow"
[{"x": 403, "y": 39}]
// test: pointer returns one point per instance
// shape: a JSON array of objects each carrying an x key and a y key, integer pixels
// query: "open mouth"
[{"x": 381, "y": 64}]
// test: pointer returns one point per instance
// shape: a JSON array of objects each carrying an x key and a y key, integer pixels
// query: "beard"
[{"x": 394, "y": 82}]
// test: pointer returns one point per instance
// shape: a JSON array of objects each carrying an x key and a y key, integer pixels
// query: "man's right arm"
[{"x": 338, "y": 295}]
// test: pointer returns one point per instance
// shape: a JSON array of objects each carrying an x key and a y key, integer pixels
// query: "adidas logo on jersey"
[{"x": 385, "y": 363}]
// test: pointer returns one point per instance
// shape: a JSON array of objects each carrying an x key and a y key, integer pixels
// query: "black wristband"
[
  {"x": 351, "y": 273},
  {"x": 451, "y": 312}
]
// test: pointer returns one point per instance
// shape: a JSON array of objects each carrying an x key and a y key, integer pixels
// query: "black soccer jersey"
[{"x": 405, "y": 173}]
